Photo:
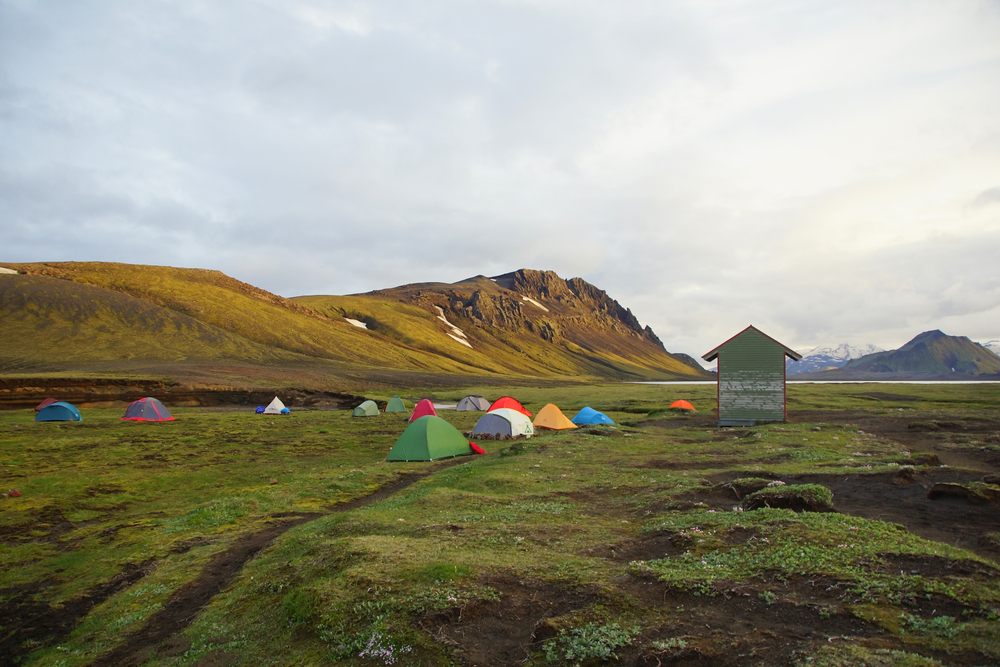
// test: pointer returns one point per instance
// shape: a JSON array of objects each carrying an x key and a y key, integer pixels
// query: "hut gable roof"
[{"x": 795, "y": 356}]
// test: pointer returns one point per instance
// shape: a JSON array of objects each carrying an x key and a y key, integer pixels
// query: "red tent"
[
  {"x": 683, "y": 405},
  {"x": 44, "y": 404},
  {"x": 508, "y": 402},
  {"x": 423, "y": 408}
]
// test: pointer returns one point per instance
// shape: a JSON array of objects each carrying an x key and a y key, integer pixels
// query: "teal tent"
[
  {"x": 429, "y": 438},
  {"x": 58, "y": 412},
  {"x": 395, "y": 404},
  {"x": 366, "y": 409}
]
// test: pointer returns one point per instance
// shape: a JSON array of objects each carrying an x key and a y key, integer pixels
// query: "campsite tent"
[
  {"x": 147, "y": 410},
  {"x": 508, "y": 402},
  {"x": 473, "y": 404},
  {"x": 429, "y": 438},
  {"x": 58, "y": 411},
  {"x": 260, "y": 410},
  {"x": 682, "y": 405},
  {"x": 503, "y": 422},
  {"x": 44, "y": 404},
  {"x": 591, "y": 416},
  {"x": 422, "y": 409},
  {"x": 395, "y": 404},
  {"x": 366, "y": 409},
  {"x": 552, "y": 417},
  {"x": 275, "y": 407}
]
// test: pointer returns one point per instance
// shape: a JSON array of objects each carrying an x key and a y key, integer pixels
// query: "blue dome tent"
[
  {"x": 58, "y": 412},
  {"x": 590, "y": 416}
]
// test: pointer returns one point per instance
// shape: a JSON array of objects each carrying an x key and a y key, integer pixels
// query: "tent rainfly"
[
  {"x": 503, "y": 421},
  {"x": 682, "y": 405},
  {"x": 147, "y": 410},
  {"x": 395, "y": 404},
  {"x": 751, "y": 378},
  {"x": 473, "y": 404},
  {"x": 275, "y": 407},
  {"x": 422, "y": 409},
  {"x": 552, "y": 417},
  {"x": 44, "y": 404},
  {"x": 590, "y": 416},
  {"x": 429, "y": 438},
  {"x": 508, "y": 402},
  {"x": 58, "y": 411},
  {"x": 366, "y": 409}
]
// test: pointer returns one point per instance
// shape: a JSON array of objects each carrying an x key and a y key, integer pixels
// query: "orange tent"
[
  {"x": 552, "y": 417},
  {"x": 683, "y": 405},
  {"x": 508, "y": 402}
]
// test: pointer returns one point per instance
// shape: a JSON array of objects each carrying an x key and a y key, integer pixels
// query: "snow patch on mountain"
[
  {"x": 825, "y": 357},
  {"x": 993, "y": 346},
  {"x": 533, "y": 302},
  {"x": 456, "y": 334}
]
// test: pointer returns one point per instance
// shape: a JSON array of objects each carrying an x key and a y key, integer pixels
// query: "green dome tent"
[
  {"x": 366, "y": 409},
  {"x": 395, "y": 404},
  {"x": 429, "y": 438}
]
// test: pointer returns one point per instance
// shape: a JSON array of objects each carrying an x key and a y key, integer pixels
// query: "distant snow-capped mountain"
[
  {"x": 824, "y": 358},
  {"x": 993, "y": 346}
]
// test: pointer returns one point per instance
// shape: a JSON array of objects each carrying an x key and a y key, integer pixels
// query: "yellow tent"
[{"x": 552, "y": 417}]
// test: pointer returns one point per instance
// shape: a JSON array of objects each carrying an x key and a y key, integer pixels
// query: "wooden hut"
[{"x": 751, "y": 378}]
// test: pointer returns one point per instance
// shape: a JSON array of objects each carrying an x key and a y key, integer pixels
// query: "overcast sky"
[{"x": 826, "y": 171}]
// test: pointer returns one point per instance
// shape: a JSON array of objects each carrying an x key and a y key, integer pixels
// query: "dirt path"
[{"x": 36, "y": 624}]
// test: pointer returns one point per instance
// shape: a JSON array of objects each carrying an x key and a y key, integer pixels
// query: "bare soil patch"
[{"x": 501, "y": 633}]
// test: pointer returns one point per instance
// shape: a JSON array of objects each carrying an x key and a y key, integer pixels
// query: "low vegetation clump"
[
  {"x": 589, "y": 641},
  {"x": 798, "y": 497}
]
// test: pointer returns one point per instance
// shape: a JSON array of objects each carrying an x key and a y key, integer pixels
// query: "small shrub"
[
  {"x": 672, "y": 644},
  {"x": 589, "y": 641},
  {"x": 942, "y": 626},
  {"x": 768, "y": 597},
  {"x": 299, "y": 606}
]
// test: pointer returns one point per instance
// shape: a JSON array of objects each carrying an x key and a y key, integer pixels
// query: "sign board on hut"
[{"x": 751, "y": 378}]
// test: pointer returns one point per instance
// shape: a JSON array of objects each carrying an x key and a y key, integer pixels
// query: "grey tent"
[{"x": 473, "y": 404}]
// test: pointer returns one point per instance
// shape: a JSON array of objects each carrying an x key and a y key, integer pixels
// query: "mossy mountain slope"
[
  {"x": 262, "y": 328},
  {"x": 530, "y": 322},
  {"x": 45, "y": 320},
  {"x": 59, "y": 314},
  {"x": 931, "y": 352}
]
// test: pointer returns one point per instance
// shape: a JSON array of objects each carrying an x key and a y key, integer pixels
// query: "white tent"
[{"x": 274, "y": 407}]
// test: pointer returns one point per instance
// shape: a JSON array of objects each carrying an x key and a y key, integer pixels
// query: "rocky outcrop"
[{"x": 576, "y": 294}]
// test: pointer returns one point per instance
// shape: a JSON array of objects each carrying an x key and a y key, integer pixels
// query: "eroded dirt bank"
[{"x": 94, "y": 392}]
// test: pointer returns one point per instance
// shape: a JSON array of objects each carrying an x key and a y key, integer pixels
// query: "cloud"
[
  {"x": 987, "y": 197},
  {"x": 805, "y": 167}
]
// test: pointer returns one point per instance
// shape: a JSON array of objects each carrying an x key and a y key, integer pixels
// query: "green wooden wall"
[{"x": 751, "y": 379}]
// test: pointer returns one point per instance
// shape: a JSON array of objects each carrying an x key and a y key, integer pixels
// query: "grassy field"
[{"x": 225, "y": 538}]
